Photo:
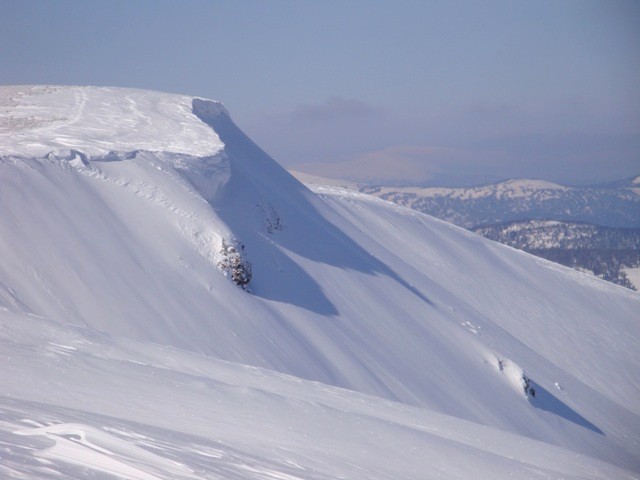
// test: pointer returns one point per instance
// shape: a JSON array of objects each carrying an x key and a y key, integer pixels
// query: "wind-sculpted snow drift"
[{"x": 455, "y": 356}]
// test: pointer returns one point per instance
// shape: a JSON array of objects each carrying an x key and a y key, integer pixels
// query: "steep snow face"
[
  {"x": 36, "y": 120},
  {"x": 346, "y": 289}
]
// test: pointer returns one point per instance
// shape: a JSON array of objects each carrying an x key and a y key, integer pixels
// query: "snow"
[
  {"x": 633, "y": 274},
  {"x": 36, "y": 120},
  {"x": 141, "y": 411},
  {"x": 370, "y": 344},
  {"x": 519, "y": 188},
  {"x": 307, "y": 178},
  {"x": 93, "y": 448}
]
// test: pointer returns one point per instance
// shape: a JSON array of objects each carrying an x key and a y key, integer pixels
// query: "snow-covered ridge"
[
  {"x": 516, "y": 188},
  {"x": 36, "y": 120},
  {"x": 107, "y": 256},
  {"x": 615, "y": 204}
]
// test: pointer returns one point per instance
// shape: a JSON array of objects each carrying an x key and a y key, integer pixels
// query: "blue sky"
[{"x": 449, "y": 91}]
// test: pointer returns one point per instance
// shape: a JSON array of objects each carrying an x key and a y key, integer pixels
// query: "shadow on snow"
[
  {"x": 257, "y": 180},
  {"x": 545, "y": 400}
]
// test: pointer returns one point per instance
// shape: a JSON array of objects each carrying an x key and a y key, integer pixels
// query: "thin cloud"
[
  {"x": 413, "y": 165},
  {"x": 336, "y": 108},
  {"x": 491, "y": 109}
]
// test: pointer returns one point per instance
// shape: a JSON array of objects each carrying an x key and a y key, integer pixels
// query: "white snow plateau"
[{"x": 371, "y": 342}]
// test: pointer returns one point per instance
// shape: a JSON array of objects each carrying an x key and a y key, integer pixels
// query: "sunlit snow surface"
[
  {"x": 91, "y": 405},
  {"x": 35, "y": 120},
  {"x": 633, "y": 274},
  {"x": 375, "y": 342}
]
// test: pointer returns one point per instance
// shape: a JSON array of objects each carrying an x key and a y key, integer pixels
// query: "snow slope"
[
  {"x": 141, "y": 411},
  {"x": 114, "y": 306}
]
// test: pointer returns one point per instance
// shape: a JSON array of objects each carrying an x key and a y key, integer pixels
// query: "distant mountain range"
[
  {"x": 614, "y": 204},
  {"x": 609, "y": 253},
  {"x": 594, "y": 228},
  {"x": 548, "y": 234}
]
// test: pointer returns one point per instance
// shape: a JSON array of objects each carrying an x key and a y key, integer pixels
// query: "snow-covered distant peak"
[
  {"x": 529, "y": 184},
  {"x": 635, "y": 185},
  {"x": 36, "y": 120},
  {"x": 516, "y": 188}
]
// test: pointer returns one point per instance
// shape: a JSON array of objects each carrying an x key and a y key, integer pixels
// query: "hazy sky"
[{"x": 451, "y": 90}]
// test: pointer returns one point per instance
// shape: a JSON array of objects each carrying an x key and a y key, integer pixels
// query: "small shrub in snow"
[
  {"x": 233, "y": 263},
  {"x": 528, "y": 389},
  {"x": 273, "y": 222}
]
